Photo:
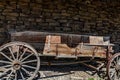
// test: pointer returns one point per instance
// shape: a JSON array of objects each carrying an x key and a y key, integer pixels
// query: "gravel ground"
[{"x": 71, "y": 72}]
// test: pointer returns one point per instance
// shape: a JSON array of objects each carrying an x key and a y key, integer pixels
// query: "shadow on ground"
[{"x": 76, "y": 70}]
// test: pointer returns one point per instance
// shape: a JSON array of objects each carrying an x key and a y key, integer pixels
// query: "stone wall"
[{"x": 99, "y": 17}]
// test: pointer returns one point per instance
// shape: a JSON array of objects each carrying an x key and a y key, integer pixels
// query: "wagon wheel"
[
  {"x": 18, "y": 60},
  {"x": 114, "y": 67}
]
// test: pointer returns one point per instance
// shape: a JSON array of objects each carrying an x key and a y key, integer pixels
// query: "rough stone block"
[
  {"x": 63, "y": 20},
  {"x": 39, "y": 1},
  {"x": 2, "y": 17},
  {"x": 54, "y": 24},
  {"x": 50, "y": 20},
  {"x": 25, "y": 1},
  {"x": 38, "y": 20},
  {"x": 11, "y": 18}
]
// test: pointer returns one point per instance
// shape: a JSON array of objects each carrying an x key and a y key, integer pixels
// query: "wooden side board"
[{"x": 63, "y": 44}]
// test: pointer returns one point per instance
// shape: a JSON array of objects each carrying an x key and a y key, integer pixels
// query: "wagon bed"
[{"x": 64, "y": 45}]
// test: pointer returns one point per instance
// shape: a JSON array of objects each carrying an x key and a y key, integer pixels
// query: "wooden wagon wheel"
[
  {"x": 113, "y": 68},
  {"x": 18, "y": 60}
]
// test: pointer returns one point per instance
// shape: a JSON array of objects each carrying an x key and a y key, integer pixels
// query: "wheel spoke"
[
  {"x": 118, "y": 59},
  {"x": 31, "y": 67},
  {"x": 15, "y": 75},
  {"x": 5, "y": 73},
  {"x": 6, "y": 66},
  {"x": 119, "y": 75},
  {"x": 1, "y": 61},
  {"x": 18, "y": 48},
  {"x": 10, "y": 75},
  {"x": 6, "y": 56},
  {"x": 112, "y": 73},
  {"x": 22, "y": 75},
  {"x": 29, "y": 61},
  {"x": 26, "y": 71},
  {"x": 23, "y": 53},
  {"x": 27, "y": 57},
  {"x": 116, "y": 78},
  {"x": 11, "y": 52},
  {"x": 114, "y": 63}
]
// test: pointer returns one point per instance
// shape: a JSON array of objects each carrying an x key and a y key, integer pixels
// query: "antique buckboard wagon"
[{"x": 22, "y": 56}]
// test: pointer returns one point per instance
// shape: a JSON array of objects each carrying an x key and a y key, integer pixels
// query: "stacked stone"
[{"x": 73, "y": 16}]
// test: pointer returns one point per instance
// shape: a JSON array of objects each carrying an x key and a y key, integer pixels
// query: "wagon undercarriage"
[{"x": 20, "y": 58}]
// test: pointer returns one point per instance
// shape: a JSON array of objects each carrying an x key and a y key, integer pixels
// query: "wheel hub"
[{"x": 16, "y": 65}]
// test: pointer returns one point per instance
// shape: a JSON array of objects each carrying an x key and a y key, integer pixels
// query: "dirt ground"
[{"x": 69, "y": 72}]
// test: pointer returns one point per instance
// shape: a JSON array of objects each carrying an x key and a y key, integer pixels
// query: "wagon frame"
[{"x": 19, "y": 57}]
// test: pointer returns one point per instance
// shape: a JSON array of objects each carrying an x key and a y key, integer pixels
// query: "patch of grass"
[
  {"x": 91, "y": 79},
  {"x": 95, "y": 79}
]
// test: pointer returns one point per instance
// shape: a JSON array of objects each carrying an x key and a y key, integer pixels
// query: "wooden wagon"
[{"x": 26, "y": 51}]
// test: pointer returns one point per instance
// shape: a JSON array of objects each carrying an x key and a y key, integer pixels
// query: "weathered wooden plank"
[{"x": 64, "y": 44}]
